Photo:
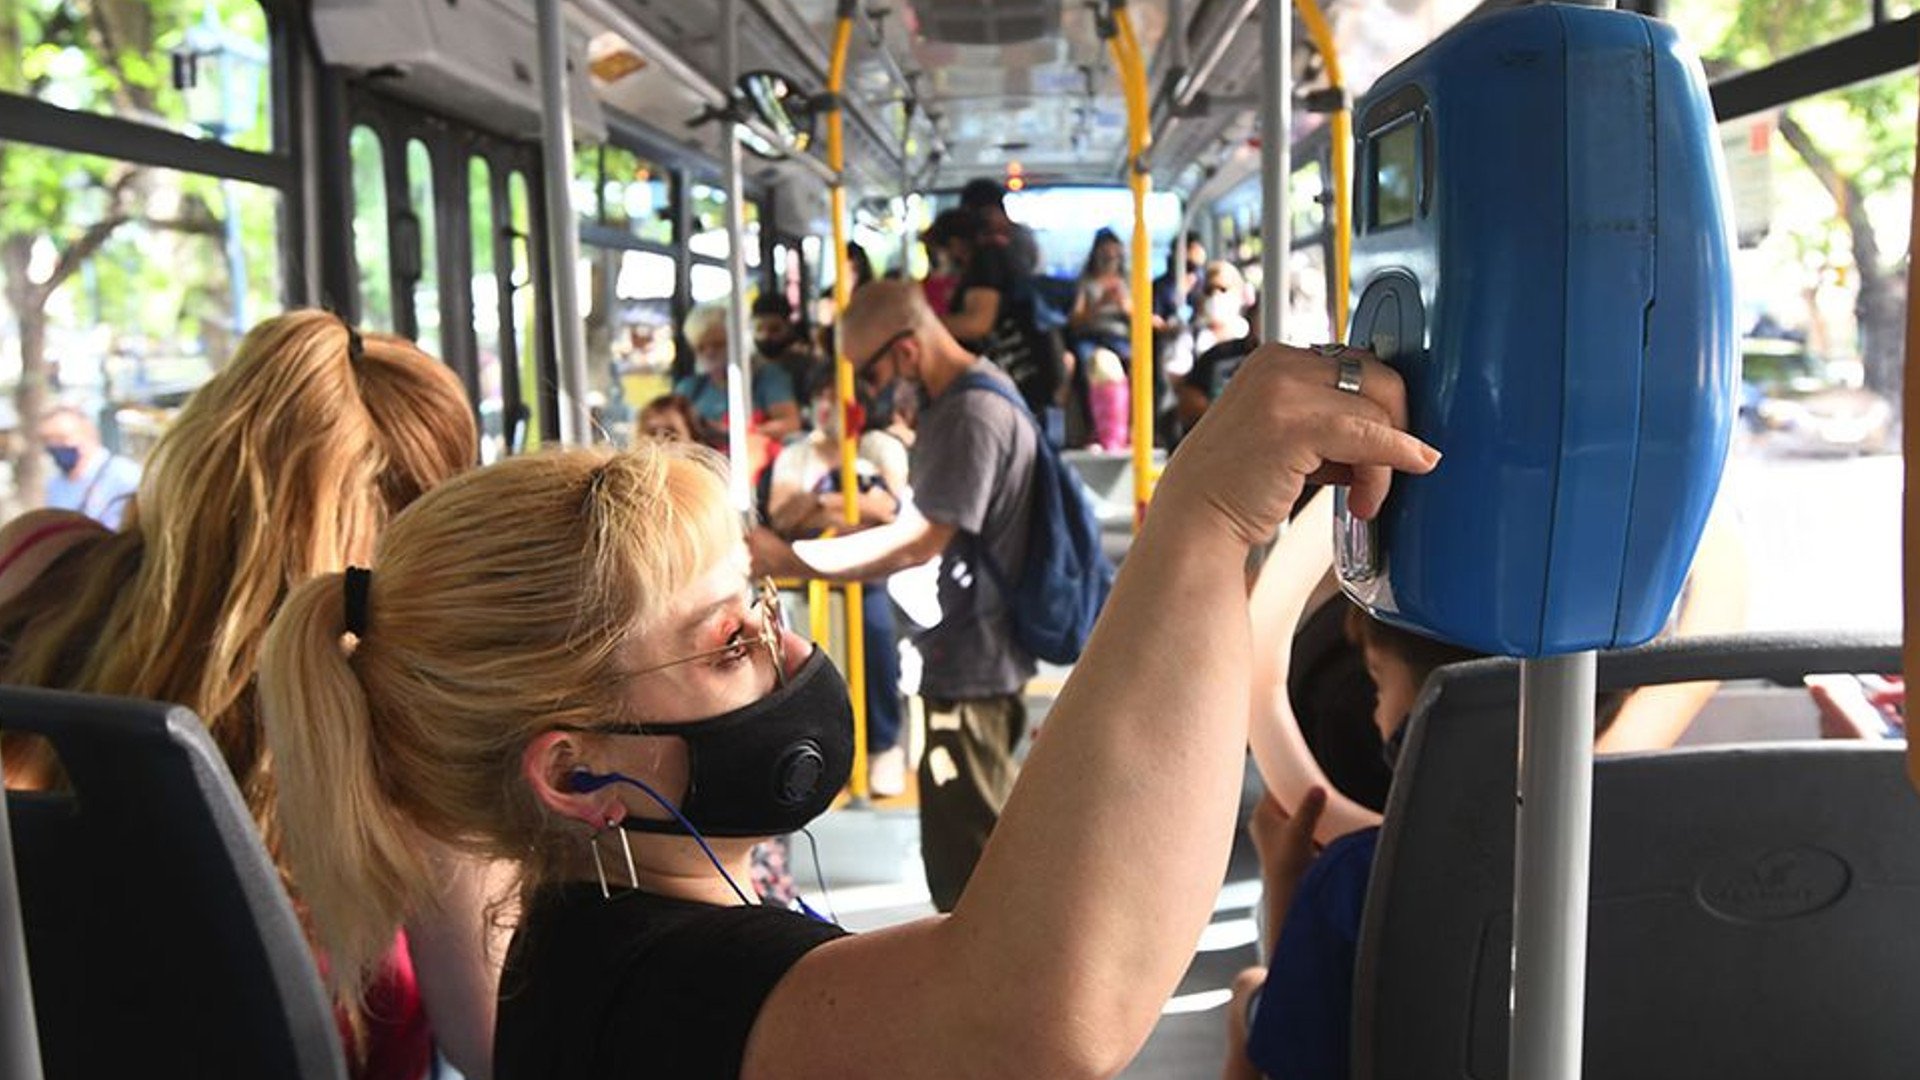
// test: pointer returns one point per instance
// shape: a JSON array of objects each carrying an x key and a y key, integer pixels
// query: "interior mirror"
[{"x": 785, "y": 112}]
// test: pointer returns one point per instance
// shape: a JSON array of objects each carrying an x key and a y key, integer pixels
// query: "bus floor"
[{"x": 871, "y": 862}]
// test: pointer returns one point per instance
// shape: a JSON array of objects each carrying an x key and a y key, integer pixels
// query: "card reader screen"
[{"x": 1396, "y": 175}]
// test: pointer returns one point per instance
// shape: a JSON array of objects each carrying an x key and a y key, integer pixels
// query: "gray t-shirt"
[{"x": 972, "y": 468}]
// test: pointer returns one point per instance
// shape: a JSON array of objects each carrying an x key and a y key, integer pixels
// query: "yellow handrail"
[
  {"x": 1133, "y": 82},
  {"x": 843, "y": 380},
  {"x": 1342, "y": 135}
]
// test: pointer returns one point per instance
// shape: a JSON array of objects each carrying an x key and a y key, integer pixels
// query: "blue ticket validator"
[{"x": 1541, "y": 250}]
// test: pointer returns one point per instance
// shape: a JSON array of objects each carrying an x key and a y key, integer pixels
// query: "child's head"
[{"x": 1399, "y": 662}]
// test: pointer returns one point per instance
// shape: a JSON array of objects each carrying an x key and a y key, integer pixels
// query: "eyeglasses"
[
  {"x": 764, "y": 599},
  {"x": 865, "y": 367}
]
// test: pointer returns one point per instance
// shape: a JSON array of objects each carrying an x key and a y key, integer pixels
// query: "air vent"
[{"x": 988, "y": 22}]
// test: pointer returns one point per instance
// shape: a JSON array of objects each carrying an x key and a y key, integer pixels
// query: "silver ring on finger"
[{"x": 1347, "y": 379}]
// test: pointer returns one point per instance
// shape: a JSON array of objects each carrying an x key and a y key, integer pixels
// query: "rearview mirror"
[{"x": 785, "y": 112}]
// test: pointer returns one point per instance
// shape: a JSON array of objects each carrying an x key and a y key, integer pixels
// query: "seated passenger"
[
  {"x": 776, "y": 412},
  {"x": 669, "y": 418},
  {"x": 286, "y": 464},
  {"x": 1102, "y": 315},
  {"x": 1293, "y": 1017},
  {"x": 1222, "y": 340},
  {"x": 558, "y": 660},
  {"x": 805, "y": 501},
  {"x": 1295, "y": 1014},
  {"x": 779, "y": 341}
]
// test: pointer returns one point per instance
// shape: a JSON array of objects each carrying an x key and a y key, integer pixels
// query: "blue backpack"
[{"x": 1066, "y": 577}]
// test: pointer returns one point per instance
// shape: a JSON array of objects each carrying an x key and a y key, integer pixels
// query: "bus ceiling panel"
[
  {"x": 477, "y": 61},
  {"x": 679, "y": 44},
  {"x": 1051, "y": 103}
]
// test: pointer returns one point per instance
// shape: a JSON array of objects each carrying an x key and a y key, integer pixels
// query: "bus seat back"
[
  {"x": 1751, "y": 905},
  {"x": 159, "y": 937}
]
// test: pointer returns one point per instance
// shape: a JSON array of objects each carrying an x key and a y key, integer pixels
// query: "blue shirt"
[
  {"x": 1302, "y": 1024},
  {"x": 771, "y": 386},
  {"x": 101, "y": 492}
]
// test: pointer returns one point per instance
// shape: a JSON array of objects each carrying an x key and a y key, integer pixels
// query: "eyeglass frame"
[
  {"x": 865, "y": 368},
  {"x": 772, "y": 635}
]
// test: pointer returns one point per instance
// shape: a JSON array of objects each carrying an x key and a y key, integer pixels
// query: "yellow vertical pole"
[
  {"x": 1341, "y": 180},
  {"x": 1133, "y": 79},
  {"x": 843, "y": 378}
]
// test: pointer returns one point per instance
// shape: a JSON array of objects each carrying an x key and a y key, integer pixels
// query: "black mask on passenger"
[
  {"x": 764, "y": 769},
  {"x": 771, "y": 347},
  {"x": 65, "y": 458}
]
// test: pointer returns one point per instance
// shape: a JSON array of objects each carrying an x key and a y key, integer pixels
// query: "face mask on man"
[{"x": 65, "y": 458}]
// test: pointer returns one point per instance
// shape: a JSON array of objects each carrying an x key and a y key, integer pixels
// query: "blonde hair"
[
  {"x": 287, "y": 463},
  {"x": 496, "y": 610},
  {"x": 705, "y": 318}
]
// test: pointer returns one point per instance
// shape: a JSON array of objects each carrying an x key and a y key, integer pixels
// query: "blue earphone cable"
[{"x": 587, "y": 782}]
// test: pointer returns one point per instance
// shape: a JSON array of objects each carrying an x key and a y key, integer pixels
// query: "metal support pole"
[
  {"x": 19, "y": 1034},
  {"x": 1553, "y": 835},
  {"x": 739, "y": 357},
  {"x": 563, "y": 230},
  {"x": 1276, "y": 163},
  {"x": 906, "y": 189}
]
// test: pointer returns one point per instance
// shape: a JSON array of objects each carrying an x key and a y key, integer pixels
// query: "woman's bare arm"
[{"x": 1043, "y": 970}]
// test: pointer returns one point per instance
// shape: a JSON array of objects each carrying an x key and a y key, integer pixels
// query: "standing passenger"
[
  {"x": 993, "y": 312},
  {"x": 285, "y": 465},
  {"x": 972, "y": 478}
]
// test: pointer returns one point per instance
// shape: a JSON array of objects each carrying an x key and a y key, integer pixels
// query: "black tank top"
[{"x": 640, "y": 985}]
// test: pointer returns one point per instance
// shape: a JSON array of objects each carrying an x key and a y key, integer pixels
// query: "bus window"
[
  {"x": 486, "y": 311},
  {"x": 634, "y": 195},
  {"x": 1821, "y": 197},
  {"x": 193, "y": 67},
  {"x": 710, "y": 282},
  {"x": 373, "y": 268},
  {"x": 643, "y": 340},
  {"x": 709, "y": 239},
  {"x": 523, "y": 429},
  {"x": 426, "y": 290},
  {"x": 127, "y": 287}
]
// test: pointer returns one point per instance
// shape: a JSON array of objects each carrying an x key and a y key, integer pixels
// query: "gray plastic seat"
[
  {"x": 1754, "y": 907},
  {"x": 160, "y": 939}
]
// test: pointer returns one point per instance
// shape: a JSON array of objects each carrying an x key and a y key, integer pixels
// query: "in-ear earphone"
[{"x": 582, "y": 782}]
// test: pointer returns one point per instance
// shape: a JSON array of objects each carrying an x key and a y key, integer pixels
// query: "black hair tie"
[
  {"x": 356, "y": 346},
  {"x": 358, "y": 581}
]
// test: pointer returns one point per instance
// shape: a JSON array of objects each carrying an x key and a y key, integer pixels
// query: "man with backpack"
[{"x": 980, "y": 473}]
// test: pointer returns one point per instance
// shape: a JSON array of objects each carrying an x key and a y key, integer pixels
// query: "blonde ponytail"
[
  {"x": 499, "y": 607},
  {"x": 359, "y": 864}
]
